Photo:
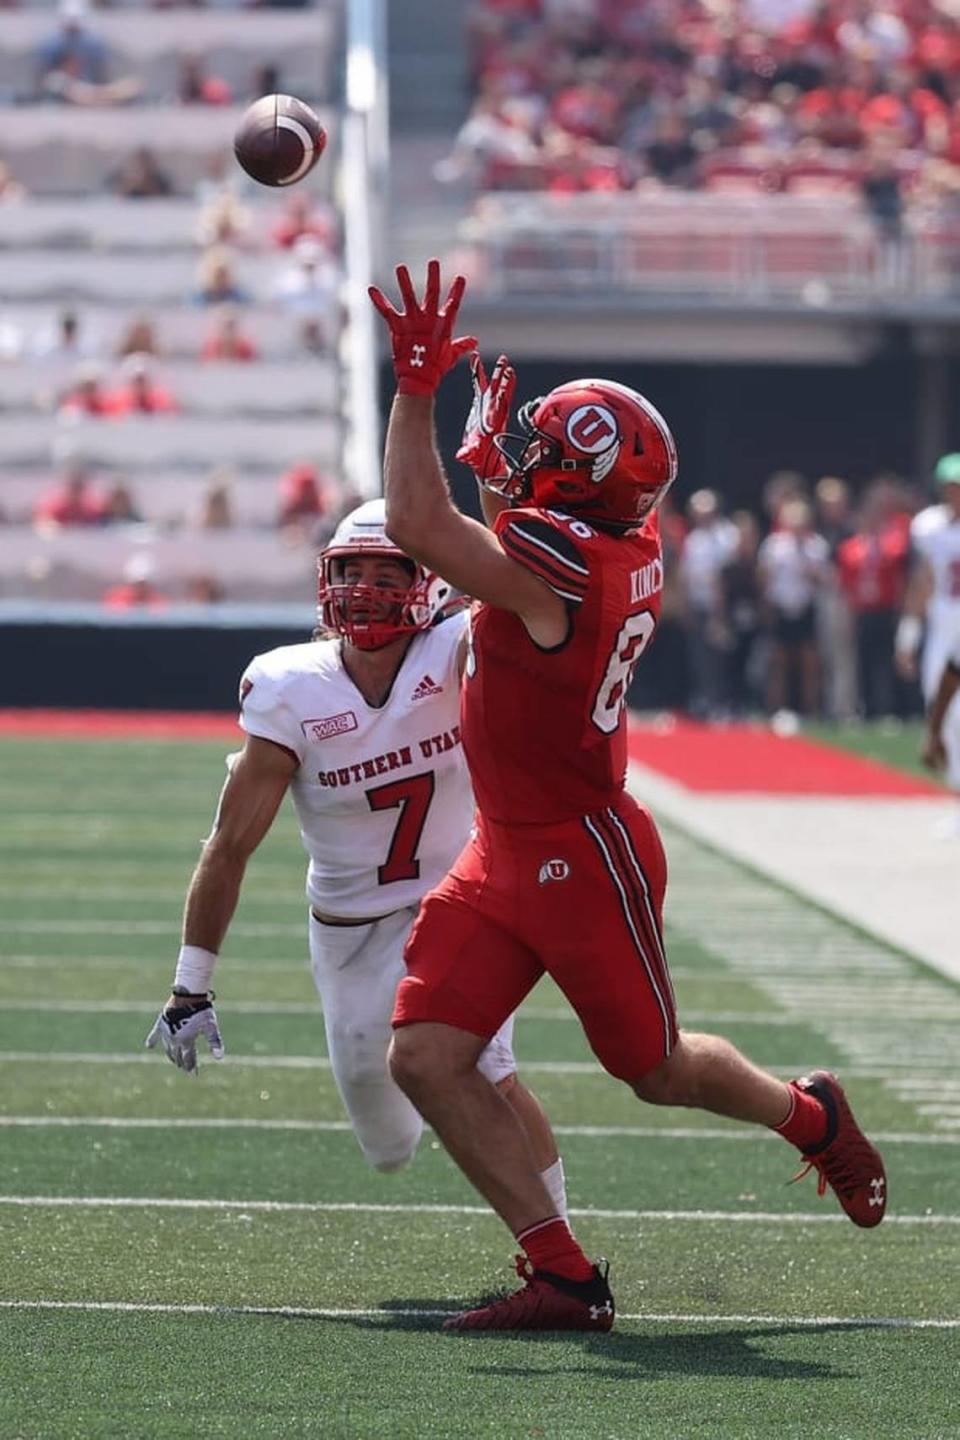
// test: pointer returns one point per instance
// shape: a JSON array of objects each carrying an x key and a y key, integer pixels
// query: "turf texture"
[{"x": 213, "y": 1258}]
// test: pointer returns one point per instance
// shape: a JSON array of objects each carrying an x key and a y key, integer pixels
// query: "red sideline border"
[
  {"x": 752, "y": 760},
  {"x": 120, "y": 724}
]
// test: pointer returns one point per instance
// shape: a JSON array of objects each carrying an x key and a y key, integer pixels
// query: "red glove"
[
  {"x": 489, "y": 416},
  {"x": 423, "y": 351}
]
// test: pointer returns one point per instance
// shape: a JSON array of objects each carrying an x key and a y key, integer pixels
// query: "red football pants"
[{"x": 582, "y": 901}]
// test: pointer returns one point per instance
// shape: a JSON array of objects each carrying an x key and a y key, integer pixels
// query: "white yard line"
[
  {"x": 322, "y": 1127},
  {"x": 845, "y": 853},
  {"x": 150, "y": 1007},
  {"x": 357, "y": 1207},
  {"x": 528, "y": 1012},
  {"x": 68, "y": 963},
  {"x": 930, "y": 1068},
  {"x": 140, "y": 927},
  {"x": 297, "y": 1007},
  {"x": 307, "y": 1312},
  {"x": 173, "y": 894},
  {"x": 248, "y": 1062}
]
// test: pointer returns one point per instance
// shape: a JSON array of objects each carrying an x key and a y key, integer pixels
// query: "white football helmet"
[{"x": 363, "y": 532}]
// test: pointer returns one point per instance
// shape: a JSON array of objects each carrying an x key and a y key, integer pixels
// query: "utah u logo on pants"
[{"x": 553, "y": 870}]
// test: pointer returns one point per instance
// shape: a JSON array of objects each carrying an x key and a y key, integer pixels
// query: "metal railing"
[{"x": 782, "y": 249}]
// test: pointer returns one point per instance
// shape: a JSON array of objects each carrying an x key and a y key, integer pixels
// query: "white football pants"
[
  {"x": 940, "y": 643},
  {"x": 356, "y": 969}
]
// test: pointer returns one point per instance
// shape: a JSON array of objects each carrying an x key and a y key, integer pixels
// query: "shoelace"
[
  {"x": 840, "y": 1173},
  {"x": 516, "y": 1299},
  {"x": 804, "y": 1171},
  {"x": 524, "y": 1267}
]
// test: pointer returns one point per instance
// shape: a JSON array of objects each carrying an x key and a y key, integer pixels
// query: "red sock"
[
  {"x": 806, "y": 1124},
  {"x": 549, "y": 1245}
]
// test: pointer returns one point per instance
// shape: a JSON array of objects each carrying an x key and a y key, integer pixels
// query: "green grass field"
[
  {"x": 893, "y": 742},
  {"x": 213, "y": 1258}
]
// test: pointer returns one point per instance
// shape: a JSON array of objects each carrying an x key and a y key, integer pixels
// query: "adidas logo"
[{"x": 427, "y": 686}]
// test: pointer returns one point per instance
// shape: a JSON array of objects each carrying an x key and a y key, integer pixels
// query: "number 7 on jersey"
[{"x": 412, "y": 796}]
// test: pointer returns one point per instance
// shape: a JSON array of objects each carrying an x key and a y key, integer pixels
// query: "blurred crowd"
[
  {"x": 792, "y": 613},
  {"x": 109, "y": 384},
  {"x": 261, "y": 287},
  {"x": 81, "y": 7},
  {"x": 72, "y": 64},
  {"x": 307, "y": 504},
  {"x": 857, "y": 97}
]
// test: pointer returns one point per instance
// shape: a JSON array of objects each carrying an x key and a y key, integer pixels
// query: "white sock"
[{"x": 555, "y": 1181}]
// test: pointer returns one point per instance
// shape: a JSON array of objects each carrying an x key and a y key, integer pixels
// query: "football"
[{"x": 279, "y": 140}]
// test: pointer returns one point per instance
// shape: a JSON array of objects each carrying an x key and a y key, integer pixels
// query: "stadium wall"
[
  {"x": 736, "y": 424},
  {"x": 138, "y": 662}
]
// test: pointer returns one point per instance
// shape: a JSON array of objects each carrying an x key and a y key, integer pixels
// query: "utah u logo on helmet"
[
  {"x": 592, "y": 429},
  {"x": 593, "y": 448}
]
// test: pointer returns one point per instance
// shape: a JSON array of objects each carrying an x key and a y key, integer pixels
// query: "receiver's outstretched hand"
[
  {"x": 489, "y": 416},
  {"x": 421, "y": 333}
]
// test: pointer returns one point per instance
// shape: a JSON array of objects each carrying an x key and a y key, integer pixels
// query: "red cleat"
[
  {"x": 546, "y": 1302},
  {"x": 845, "y": 1160}
]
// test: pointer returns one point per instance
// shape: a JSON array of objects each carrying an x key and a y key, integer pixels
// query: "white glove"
[
  {"x": 489, "y": 416},
  {"x": 178, "y": 1026}
]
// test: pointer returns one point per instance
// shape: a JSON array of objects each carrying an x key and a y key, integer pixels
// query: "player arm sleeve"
[
  {"x": 549, "y": 552},
  {"x": 263, "y": 712}
]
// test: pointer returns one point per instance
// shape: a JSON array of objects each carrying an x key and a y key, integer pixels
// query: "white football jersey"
[
  {"x": 382, "y": 795},
  {"x": 935, "y": 535}
]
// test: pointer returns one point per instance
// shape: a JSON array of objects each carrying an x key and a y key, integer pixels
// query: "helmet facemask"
[
  {"x": 534, "y": 451},
  {"x": 368, "y": 614}
]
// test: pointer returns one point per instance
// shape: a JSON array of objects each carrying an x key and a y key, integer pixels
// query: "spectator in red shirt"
[
  {"x": 301, "y": 216},
  {"x": 140, "y": 396},
  {"x": 73, "y": 502},
  {"x": 588, "y": 110},
  {"x": 303, "y": 499},
  {"x": 88, "y": 397},
  {"x": 226, "y": 341},
  {"x": 137, "y": 590},
  {"x": 195, "y": 86},
  {"x": 872, "y": 565}
]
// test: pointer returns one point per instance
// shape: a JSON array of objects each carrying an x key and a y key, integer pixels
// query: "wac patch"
[{"x": 329, "y": 725}]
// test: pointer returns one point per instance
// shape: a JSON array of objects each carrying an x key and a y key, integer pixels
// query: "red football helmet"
[
  {"x": 591, "y": 446},
  {"x": 370, "y": 616}
]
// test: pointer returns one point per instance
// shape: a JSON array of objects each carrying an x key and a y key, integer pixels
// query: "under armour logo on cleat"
[
  {"x": 417, "y": 354},
  {"x": 597, "y": 1310},
  {"x": 877, "y": 1187}
]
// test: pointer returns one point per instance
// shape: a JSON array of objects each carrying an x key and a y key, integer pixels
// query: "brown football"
[{"x": 279, "y": 140}]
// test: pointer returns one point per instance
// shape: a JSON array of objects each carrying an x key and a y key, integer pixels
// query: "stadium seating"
[
  {"x": 67, "y": 244},
  {"x": 166, "y": 500},
  {"x": 281, "y": 390},
  {"x": 67, "y": 151},
  {"x": 782, "y": 107},
  {"x": 141, "y": 445},
  {"x": 180, "y": 328},
  {"x": 246, "y": 564},
  {"x": 148, "y": 43}
]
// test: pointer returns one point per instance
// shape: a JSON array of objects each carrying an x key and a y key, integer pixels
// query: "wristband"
[
  {"x": 909, "y": 632},
  {"x": 194, "y": 969}
]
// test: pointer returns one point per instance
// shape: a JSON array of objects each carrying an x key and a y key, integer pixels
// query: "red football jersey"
[{"x": 544, "y": 730}]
